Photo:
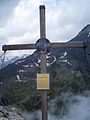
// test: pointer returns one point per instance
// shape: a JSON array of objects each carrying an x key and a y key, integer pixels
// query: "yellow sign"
[{"x": 42, "y": 81}]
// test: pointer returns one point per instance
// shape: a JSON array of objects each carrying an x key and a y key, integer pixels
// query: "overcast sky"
[{"x": 19, "y": 20}]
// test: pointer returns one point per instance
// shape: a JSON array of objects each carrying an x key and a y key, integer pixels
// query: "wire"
[
  {"x": 1, "y": 55},
  {"x": 3, "y": 59}
]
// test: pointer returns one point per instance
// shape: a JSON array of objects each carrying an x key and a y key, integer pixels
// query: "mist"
[{"x": 75, "y": 107}]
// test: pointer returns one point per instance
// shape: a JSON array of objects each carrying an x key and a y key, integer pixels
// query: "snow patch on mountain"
[
  {"x": 21, "y": 71},
  {"x": 37, "y": 64},
  {"x": 69, "y": 63},
  {"x": 51, "y": 62},
  {"x": 65, "y": 53},
  {"x": 89, "y": 34},
  {"x": 25, "y": 66},
  {"x": 1, "y": 83},
  {"x": 31, "y": 65},
  {"x": 24, "y": 56},
  {"x": 39, "y": 60},
  {"x": 20, "y": 61},
  {"x": 18, "y": 77},
  {"x": 48, "y": 53},
  {"x": 65, "y": 61}
]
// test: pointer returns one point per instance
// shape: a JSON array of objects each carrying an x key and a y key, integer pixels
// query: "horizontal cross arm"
[
  {"x": 53, "y": 45},
  {"x": 69, "y": 45},
  {"x": 18, "y": 47}
]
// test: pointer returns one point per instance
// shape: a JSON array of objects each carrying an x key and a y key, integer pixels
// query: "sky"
[{"x": 19, "y": 21}]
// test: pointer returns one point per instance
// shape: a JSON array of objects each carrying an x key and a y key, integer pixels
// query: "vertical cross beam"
[{"x": 43, "y": 63}]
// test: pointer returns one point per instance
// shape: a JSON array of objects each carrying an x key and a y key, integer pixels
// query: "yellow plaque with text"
[{"x": 42, "y": 81}]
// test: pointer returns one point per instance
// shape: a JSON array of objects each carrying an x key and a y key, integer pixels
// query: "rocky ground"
[{"x": 10, "y": 113}]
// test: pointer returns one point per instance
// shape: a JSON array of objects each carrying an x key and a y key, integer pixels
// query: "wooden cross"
[{"x": 42, "y": 46}]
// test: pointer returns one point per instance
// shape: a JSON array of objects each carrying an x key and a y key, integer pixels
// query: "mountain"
[
  {"x": 25, "y": 68},
  {"x": 69, "y": 70},
  {"x": 82, "y": 56},
  {"x": 8, "y": 61}
]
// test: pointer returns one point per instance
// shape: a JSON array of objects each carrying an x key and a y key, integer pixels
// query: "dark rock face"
[
  {"x": 81, "y": 56},
  {"x": 4, "y": 101}
]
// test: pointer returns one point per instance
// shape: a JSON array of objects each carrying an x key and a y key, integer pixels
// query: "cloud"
[
  {"x": 64, "y": 19},
  {"x": 6, "y": 10}
]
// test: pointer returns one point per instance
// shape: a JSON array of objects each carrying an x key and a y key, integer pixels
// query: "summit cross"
[{"x": 43, "y": 46}]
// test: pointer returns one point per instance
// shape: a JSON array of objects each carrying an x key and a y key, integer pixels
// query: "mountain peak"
[{"x": 86, "y": 29}]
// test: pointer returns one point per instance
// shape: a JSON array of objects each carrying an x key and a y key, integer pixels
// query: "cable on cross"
[
  {"x": 2, "y": 60},
  {"x": 3, "y": 55}
]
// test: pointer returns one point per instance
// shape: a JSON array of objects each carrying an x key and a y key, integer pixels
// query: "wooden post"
[{"x": 43, "y": 63}]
